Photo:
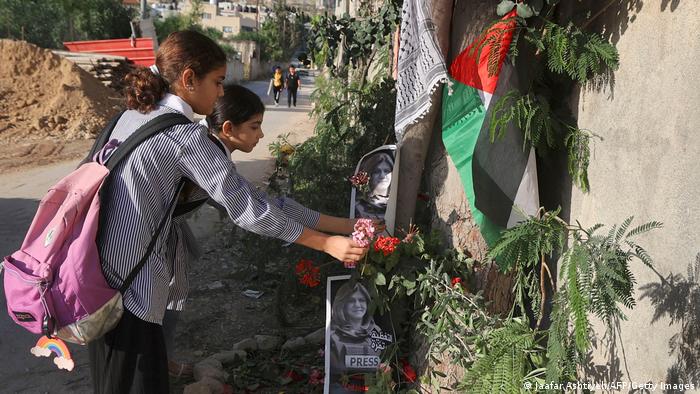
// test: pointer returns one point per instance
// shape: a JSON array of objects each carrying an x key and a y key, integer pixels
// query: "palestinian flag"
[{"x": 499, "y": 178}]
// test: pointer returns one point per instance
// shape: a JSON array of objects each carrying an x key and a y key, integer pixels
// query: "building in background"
[{"x": 229, "y": 18}]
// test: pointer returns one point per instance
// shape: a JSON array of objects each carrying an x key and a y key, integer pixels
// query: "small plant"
[{"x": 595, "y": 279}]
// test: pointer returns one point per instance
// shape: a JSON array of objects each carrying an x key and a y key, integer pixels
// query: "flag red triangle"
[{"x": 471, "y": 66}]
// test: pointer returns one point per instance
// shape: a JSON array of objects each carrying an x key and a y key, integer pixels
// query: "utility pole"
[{"x": 257, "y": 15}]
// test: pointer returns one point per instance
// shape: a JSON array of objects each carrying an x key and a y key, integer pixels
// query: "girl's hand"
[{"x": 344, "y": 249}]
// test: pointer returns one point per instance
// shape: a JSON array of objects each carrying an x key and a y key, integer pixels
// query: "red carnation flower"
[
  {"x": 359, "y": 179},
  {"x": 408, "y": 371},
  {"x": 303, "y": 266},
  {"x": 386, "y": 245},
  {"x": 316, "y": 377},
  {"x": 456, "y": 281},
  {"x": 291, "y": 374},
  {"x": 307, "y": 273}
]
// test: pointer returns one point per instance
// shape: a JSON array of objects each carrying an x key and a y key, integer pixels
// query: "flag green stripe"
[{"x": 463, "y": 115}]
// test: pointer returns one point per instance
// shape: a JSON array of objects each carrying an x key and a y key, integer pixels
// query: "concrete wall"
[
  {"x": 234, "y": 71},
  {"x": 248, "y": 49},
  {"x": 648, "y": 163}
]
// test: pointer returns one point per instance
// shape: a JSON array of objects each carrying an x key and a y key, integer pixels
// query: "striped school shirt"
[
  {"x": 183, "y": 244},
  {"x": 141, "y": 187}
]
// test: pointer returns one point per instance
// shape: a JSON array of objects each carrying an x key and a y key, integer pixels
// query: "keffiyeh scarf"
[{"x": 420, "y": 64}]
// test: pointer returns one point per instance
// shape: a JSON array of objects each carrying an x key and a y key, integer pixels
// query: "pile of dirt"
[{"x": 44, "y": 97}]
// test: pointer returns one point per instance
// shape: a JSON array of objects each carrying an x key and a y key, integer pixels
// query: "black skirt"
[{"x": 131, "y": 358}]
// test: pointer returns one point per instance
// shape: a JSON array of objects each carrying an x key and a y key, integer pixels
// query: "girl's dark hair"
[
  {"x": 238, "y": 104},
  {"x": 180, "y": 51}
]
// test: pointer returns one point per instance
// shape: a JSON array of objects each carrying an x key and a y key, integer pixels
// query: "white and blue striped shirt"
[{"x": 143, "y": 184}]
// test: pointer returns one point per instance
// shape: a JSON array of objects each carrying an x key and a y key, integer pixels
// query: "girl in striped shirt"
[
  {"x": 235, "y": 125},
  {"x": 187, "y": 78}
]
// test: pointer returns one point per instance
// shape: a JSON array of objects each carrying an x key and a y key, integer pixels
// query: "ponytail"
[
  {"x": 144, "y": 89},
  {"x": 182, "y": 50}
]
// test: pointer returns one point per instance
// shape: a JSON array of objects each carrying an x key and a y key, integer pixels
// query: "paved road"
[{"x": 19, "y": 370}]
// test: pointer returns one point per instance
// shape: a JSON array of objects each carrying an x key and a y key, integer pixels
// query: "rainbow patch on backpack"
[{"x": 45, "y": 346}]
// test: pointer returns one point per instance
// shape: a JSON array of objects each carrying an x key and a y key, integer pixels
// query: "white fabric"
[
  {"x": 527, "y": 198},
  {"x": 421, "y": 65},
  {"x": 178, "y": 104},
  {"x": 228, "y": 152},
  {"x": 485, "y": 98}
]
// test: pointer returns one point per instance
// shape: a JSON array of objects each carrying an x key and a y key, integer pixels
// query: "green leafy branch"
[
  {"x": 570, "y": 53},
  {"x": 595, "y": 274},
  {"x": 358, "y": 37},
  {"x": 543, "y": 129}
]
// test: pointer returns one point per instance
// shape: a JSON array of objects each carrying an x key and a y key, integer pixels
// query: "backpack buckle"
[{"x": 45, "y": 327}]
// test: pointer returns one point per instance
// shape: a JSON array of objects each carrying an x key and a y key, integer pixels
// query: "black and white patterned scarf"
[{"x": 421, "y": 66}]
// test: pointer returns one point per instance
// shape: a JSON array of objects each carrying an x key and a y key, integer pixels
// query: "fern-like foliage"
[
  {"x": 501, "y": 354},
  {"x": 451, "y": 319},
  {"x": 522, "y": 249},
  {"x": 578, "y": 151},
  {"x": 493, "y": 37},
  {"x": 570, "y": 51},
  {"x": 582, "y": 57},
  {"x": 530, "y": 113},
  {"x": 595, "y": 278},
  {"x": 504, "y": 361},
  {"x": 562, "y": 356},
  {"x": 543, "y": 129},
  {"x": 523, "y": 245}
]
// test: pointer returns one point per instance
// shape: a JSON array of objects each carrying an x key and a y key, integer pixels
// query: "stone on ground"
[
  {"x": 247, "y": 344},
  {"x": 268, "y": 342},
  {"x": 294, "y": 343},
  {"x": 316, "y": 337}
]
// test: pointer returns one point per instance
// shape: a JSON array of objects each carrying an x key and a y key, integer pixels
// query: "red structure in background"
[{"x": 137, "y": 50}]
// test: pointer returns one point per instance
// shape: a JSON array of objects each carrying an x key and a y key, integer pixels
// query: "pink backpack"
[{"x": 54, "y": 284}]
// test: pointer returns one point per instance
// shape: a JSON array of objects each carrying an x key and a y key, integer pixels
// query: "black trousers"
[
  {"x": 277, "y": 91},
  {"x": 131, "y": 358},
  {"x": 291, "y": 95}
]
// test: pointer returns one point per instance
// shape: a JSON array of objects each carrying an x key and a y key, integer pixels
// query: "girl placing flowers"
[{"x": 235, "y": 124}]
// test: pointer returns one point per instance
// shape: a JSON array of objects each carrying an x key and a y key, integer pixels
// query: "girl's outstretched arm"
[
  {"x": 318, "y": 221},
  {"x": 342, "y": 248},
  {"x": 202, "y": 162}
]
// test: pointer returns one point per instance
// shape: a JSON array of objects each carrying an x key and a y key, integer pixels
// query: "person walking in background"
[
  {"x": 292, "y": 83},
  {"x": 278, "y": 84}
]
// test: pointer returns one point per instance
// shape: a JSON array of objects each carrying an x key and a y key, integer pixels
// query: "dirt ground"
[
  {"x": 19, "y": 156},
  {"x": 217, "y": 315},
  {"x": 50, "y": 108}
]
